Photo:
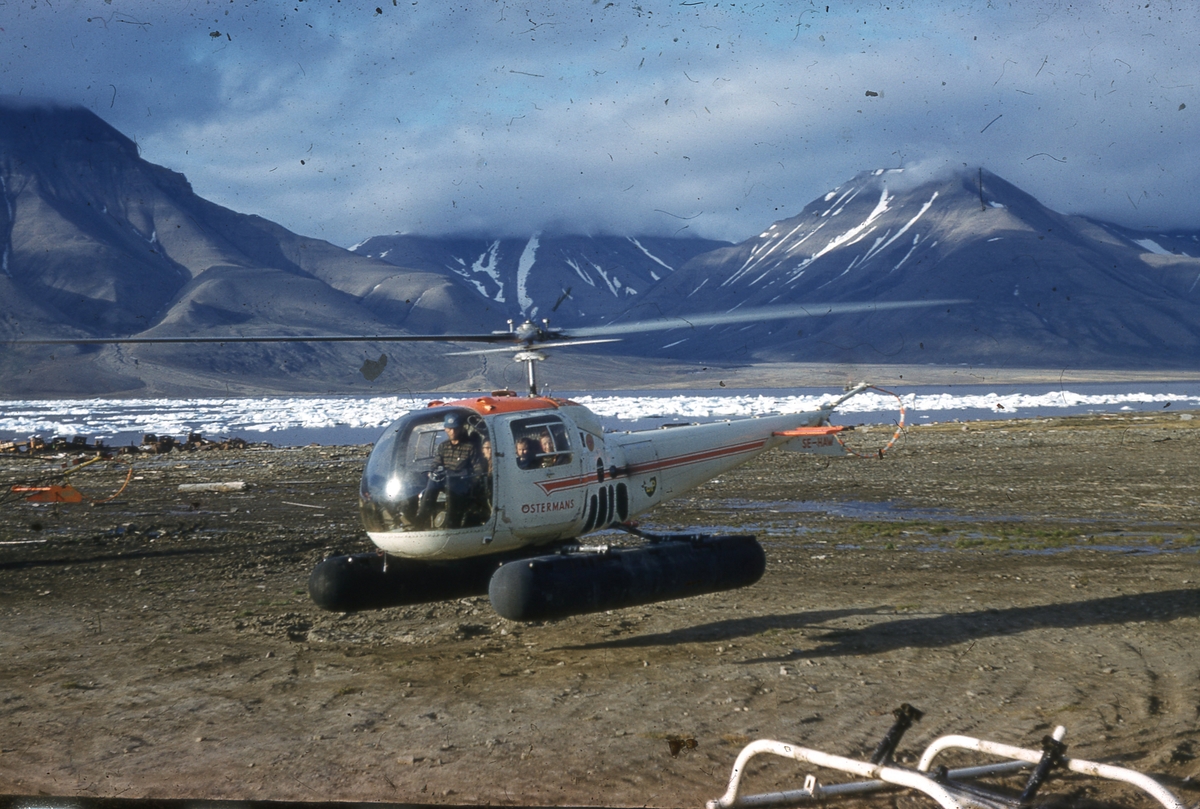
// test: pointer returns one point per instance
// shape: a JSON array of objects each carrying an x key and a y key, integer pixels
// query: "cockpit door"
[{"x": 543, "y": 476}]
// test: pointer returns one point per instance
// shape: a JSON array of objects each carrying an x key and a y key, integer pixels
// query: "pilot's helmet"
[{"x": 453, "y": 421}]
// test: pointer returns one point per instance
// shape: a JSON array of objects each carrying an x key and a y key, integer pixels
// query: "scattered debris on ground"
[{"x": 1007, "y": 577}]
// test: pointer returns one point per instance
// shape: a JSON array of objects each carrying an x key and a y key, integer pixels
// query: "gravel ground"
[{"x": 1004, "y": 577}]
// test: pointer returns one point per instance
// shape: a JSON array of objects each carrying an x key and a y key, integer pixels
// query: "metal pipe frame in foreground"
[
  {"x": 884, "y": 776},
  {"x": 1093, "y": 768}
]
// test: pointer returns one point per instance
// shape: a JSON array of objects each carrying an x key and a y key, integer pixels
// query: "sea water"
[{"x": 342, "y": 420}]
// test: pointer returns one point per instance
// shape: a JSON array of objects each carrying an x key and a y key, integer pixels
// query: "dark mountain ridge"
[
  {"x": 1039, "y": 288},
  {"x": 571, "y": 279},
  {"x": 98, "y": 242}
]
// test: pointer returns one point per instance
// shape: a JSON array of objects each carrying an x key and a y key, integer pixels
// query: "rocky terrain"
[{"x": 1005, "y": 577}]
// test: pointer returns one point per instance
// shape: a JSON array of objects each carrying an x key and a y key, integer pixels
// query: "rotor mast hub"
[{"x": 531, "y": 358}]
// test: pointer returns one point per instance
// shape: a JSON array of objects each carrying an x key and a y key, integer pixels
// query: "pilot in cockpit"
[{"x": 459, "y": 468}]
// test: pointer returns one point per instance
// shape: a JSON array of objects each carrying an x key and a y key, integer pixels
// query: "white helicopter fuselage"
[{"x": 584, "y": 479}]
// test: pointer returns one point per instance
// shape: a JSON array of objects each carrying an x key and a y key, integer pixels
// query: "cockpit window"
[
  {"x": 541, "y": 441},
  {"x": 430, "y": 470}
]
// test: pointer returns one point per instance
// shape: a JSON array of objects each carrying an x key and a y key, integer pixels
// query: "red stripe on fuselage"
[{"x": 551, "y": 486}]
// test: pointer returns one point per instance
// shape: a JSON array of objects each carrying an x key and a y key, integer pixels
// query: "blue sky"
[{"x": 342, "y": 120}]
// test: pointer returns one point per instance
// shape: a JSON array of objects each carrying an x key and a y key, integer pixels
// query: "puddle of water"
[
  {"x": 788, "y": 531},
  {"x": 850, "y": 509},
  {"x": 1128, "y": 550}
]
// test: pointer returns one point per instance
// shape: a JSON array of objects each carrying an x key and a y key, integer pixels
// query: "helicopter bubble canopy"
[{"x": 431, "y": 470}]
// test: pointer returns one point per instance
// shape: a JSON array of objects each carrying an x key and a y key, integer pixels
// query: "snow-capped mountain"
[
  {"x": 1038, "y": 288},
  {"x": 94, "y": 241},
  {"x": 571, "y": 279}
]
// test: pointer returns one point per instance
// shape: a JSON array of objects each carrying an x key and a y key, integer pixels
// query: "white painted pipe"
[
  {"x": 883, "y": 776},
  {"x": 863, "y": 769},
  {"x": 1144, "y": 782},
  {"x": 1140, "y": 780},
  {"x": 983, "y": 746},
  {"x": 814, "y": 791}
]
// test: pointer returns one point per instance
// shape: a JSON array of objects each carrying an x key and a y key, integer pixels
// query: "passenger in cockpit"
[
  {"x": 549, "y": 456},
  {"x": 527, "y": 453}
]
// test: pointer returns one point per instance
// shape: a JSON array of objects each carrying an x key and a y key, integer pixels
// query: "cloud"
[{"x": 643, "y": 118}]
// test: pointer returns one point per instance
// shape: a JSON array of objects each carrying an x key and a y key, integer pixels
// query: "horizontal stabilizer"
[{"x": 815, "y": 440}]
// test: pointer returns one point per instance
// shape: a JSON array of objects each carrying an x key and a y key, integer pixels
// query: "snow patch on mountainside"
[
  {"x": 902, "y": 230},
  {"x": 842, "y": 202},
  {"x": 574, "y": 265},
  {"x": 776, "y": 246},
  {"x": 489, "y": 265},
  {"x": 475, "y": 282},
  {"x": 614, "y": 283},
  {"x": 860, "y": 231},
  {"x": 1152, "y": 246},
  {"x": 652, "y": 257},
  {"x": 528, "y": 256},
  {"x": 757, "y": 259},
  {"x": 916, "y": 241}
]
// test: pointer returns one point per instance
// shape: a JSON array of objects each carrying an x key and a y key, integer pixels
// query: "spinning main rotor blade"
[
  {"x": 748, "y": 315},
  {"x": 499, "y": 337},
  {"x": 527, "y": 334}
]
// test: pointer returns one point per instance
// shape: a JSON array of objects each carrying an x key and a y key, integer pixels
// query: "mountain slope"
[
  {"x": 1038, "y": 288},
  {"x": 98, "y": 242},
  {"x": 573, "y": 280}
]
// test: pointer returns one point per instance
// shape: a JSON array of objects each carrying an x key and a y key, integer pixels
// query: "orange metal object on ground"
[{"x": 51, "y": 494}]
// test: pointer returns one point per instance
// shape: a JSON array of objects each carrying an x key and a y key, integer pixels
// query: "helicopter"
[{"x": 491, "y": 494}]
